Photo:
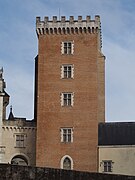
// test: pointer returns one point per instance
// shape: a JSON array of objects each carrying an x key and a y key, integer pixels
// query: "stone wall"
[{"x": 13, "y": 172}]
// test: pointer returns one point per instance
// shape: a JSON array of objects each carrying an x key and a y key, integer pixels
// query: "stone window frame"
[
  {"x": 62, "y": 161},
  {"x": 20, "y": 140},
  {"x": 67, "y": 47},
  {"x": 67, "y": 71},
  {"x": 67, "y": 99},
  {"x": 107, "y": 165},
  {"x": 66, "y": 134}
]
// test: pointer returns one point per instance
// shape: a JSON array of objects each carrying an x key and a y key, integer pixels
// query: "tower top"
[
  {"x": 71, "y": 26},
  {"x": 71, "y": 23}
]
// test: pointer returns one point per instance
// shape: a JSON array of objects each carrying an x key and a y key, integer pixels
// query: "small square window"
[
  {"x": 20, "y": 140},
  {"x": 67, "y": 47},
  {"x": 107, "y": 165},
  {"x": 67, "y": 71},
  {"x": 67, "y": 99},
  {"x": 66, "y": 135}
]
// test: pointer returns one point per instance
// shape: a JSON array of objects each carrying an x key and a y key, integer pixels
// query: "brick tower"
[{"x": 69, "y": 92}]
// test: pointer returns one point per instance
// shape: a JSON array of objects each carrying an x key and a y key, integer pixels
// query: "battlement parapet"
[
  {"x": 71, "y": 26},
  {"x": 67, "y": 26}
]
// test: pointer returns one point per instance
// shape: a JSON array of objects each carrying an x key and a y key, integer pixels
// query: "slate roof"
[{"x": 116, "y": 133}]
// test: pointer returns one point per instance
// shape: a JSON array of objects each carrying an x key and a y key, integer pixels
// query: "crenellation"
[
  {"x": 38, "y": 19},
  {"x": 88, "y": 18},
  {"x": 46, "y": 19},
  {"x": 55, "y": 19},
  {"x": 71, "y": 26},
  {"x": 97, "y": 18},
  {"x": 67, "y": 24},
  {"x": 63, "y": 19},
  {"x": 79, "y": 18},
  {"x": 71, "y": 19}
]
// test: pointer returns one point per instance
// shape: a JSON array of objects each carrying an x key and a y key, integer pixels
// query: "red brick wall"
[{"x": 83, "y": 116}]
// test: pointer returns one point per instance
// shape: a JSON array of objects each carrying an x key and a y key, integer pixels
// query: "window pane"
[
  {"x": 107, "y": 166},
  {"x": 69, "y": 74},
  {"x": 65, "y": 96},
  {"x": 67, "y": 99},
  {"x": 67, "y": 70},
  {"x": 69, "y": 51},
  {"x": 66, "y": 134},
  {"x": 69, "y": 137},
  {"x": 65, "y": 102},
  {"x": 67, "y": 164},
  {"x": 69, "y": 131},
  {"x": 69, "y": 96},
  {"x": 19, "y": 140},
  {"x": 67, "y": 47},
  {"x": 64, "y": 131},
  {"x": 64, "y": 138},
  {"x": 69, "y": 44},
  {"x": 17, "y": 137},
  {"x": 69, "y": 102},
  {"x": 65, "y": 44},
  {"x": 65, "y": 50}
]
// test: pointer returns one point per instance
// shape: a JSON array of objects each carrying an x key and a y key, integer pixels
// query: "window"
[
  {"x": 19, "y": 140},
  {"x": 66, "y": 135},
  {"x": 19, "y": 160},
  {"x": 67, "y": 47},
  {"x": 66, "y": 162},
  {"x": 107, "y": 166},
  {"x": 67, "y": 99},
  {"x": 67, "y": 71}
]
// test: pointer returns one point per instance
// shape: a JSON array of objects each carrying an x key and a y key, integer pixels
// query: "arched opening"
[
  {"x": 93, "y": 30},
  {"x": 80, "y": 29},
  {"x": 47, "y": 31},
  {"x": 97, "y": 29},
  {"x": 68, "y": 30},
  {"x": 51, "y": 31},
  {"x": 89, "y": 30},
  {"x": 59, "y": 30},
  {"x": 84, "y": 29},
  {"x": 55, "y": 30},
  {"x": 76, "y": 30},
  {"x": 19, "y": 160},
  {"x": 63, "y": 30},
  {"x": 67, "y": 163},
  {"x": 72, "y": 30}
]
